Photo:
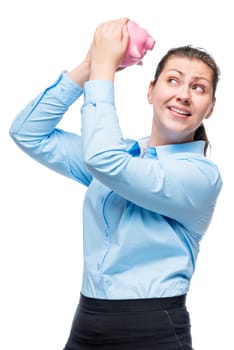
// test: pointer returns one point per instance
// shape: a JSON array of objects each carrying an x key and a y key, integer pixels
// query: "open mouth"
[{"x": 179, "y": 111}]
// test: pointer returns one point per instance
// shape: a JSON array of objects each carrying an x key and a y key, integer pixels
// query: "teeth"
[{"x": 179, "y": 111}]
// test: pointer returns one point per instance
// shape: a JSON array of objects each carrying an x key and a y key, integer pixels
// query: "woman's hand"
[
  {"x": 109, "y": 45},
  {"x": 81, "y": 73}
]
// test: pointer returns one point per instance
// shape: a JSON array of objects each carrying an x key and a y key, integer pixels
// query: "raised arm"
[
  {"x": 183, "y": 185},
  {"x": 35, "y": 128}
]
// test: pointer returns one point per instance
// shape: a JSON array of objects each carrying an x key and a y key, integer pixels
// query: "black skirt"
[{"x": 136, "y": 324}]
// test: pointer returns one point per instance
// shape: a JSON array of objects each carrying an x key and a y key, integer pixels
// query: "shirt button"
[{"x": 98, "y": 266}]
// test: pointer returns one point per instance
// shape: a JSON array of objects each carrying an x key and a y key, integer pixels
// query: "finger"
[
  {"x": 125, "y": 36},
  {"x": 117, "y": 23}
]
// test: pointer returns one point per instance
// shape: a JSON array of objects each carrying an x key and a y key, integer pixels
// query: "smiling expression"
[{"x": 182, "y": 98}]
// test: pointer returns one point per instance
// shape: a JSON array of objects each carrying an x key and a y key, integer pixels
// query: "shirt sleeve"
[
  {"x": 34, "y": 131},
  {"x": 183, "y": 187}
]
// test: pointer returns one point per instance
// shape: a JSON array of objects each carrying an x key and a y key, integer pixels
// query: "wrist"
[
  {"x": 102, "y": 72},
  {"x": 80, "y": 74}
]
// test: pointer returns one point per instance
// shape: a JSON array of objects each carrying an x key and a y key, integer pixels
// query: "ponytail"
[{"x": 200, "y": 134}]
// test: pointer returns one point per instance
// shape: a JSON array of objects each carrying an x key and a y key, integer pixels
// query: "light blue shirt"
[{"x": 146, "y": 208}]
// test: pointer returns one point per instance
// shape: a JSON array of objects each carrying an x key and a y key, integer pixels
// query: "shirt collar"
[{"x": 138, "y": 148}]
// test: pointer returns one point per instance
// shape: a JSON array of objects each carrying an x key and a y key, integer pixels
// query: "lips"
[{"x": 181, "y": 111}]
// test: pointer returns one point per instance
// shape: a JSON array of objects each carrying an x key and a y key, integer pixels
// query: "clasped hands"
[{"x": 109, "y": 45}]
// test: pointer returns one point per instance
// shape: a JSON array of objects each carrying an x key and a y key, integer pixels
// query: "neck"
[{"x": 167, "y": 137}]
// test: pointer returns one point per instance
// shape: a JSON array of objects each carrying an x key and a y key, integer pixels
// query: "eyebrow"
[{"x": 195, "y": 78}]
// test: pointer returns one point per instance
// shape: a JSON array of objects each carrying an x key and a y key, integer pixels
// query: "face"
[{"x": 182, "y": 98}]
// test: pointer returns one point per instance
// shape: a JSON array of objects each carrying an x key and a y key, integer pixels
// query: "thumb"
[{"x": 125, "y": 37}]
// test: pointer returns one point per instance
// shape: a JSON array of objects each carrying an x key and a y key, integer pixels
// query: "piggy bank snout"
[{"x": 150, "y": 42}]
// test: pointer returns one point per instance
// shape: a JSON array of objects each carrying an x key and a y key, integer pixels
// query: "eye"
[
  {"x": 199, "y": 88},
  {"x": 172, "y": 81}
]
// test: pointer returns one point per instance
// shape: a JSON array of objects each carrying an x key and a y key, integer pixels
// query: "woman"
[{"x": 148, "y": 202}]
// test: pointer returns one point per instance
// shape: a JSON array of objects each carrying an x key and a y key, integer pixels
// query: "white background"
[{"x": 41, "y": 220}]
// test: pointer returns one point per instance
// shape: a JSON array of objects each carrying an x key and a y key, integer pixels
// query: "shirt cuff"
[
  {"x": 66, "y": 89},
  {"x": 96, "y": 91}
]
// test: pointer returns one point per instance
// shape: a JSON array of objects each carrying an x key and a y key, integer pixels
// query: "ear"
[
  {"x": 211, "y": 109},
  {"x": 150, "y": 91}
]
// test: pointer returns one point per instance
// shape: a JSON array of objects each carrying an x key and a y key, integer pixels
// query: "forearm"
[
  {"x": 34, "y": 131},
  {"x": 40, "y": 117}
]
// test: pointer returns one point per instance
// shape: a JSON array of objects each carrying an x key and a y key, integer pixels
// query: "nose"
[{"x": 183, "y": 95}]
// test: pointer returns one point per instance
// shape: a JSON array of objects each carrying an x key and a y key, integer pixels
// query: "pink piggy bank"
[{"x": 139, "y": 42}]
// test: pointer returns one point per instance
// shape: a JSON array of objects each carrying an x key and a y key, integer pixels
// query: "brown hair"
[{"x": 199, "y": 54}]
